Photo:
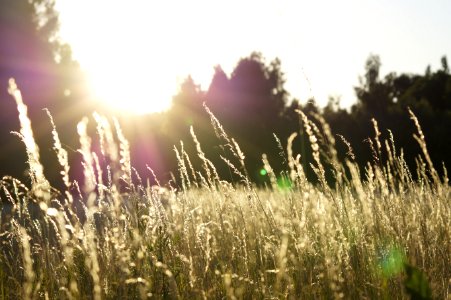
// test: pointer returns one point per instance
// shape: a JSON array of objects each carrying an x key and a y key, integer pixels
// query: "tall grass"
[{"x": 387, "y": 236}]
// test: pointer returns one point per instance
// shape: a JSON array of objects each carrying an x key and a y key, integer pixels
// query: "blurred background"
[{"x": 253, "y": 63}]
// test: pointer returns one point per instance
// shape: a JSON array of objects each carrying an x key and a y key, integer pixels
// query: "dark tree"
[
  {"x": 374, "y": 95},
  {"x": 218, "y": 94},
  {"x": 444, "y": 62},
  {"x": 187, "y": 109},
  {"x": 387, "y": 100},
  {"x": 250, "y": 104},
  {"x": 42, "y": 66}
]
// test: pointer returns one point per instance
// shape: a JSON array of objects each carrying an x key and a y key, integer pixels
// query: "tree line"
[
  {"x": 254, "y": 107},
  {"x": 251, "y": 104}
]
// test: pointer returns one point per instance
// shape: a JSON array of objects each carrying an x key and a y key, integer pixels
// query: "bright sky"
[{"x": 136, "y": 52}]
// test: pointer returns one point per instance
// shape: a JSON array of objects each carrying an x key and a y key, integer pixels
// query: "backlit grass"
[{"x": 117, "y": 237}]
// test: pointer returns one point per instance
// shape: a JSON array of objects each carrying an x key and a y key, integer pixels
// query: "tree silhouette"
[
  {"x": 250, "y": 104},
  {"x": 46, "y": 74},
  {"x": 444, "y": 62},
  {"x": 387, "y": 100},
  {"x": 374, "y": 95}
]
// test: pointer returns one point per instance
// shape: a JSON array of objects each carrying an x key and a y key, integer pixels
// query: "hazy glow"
[{"x": 136, "y": 52}]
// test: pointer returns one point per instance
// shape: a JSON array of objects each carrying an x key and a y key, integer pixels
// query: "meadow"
[{"x": 380, "y": 233}]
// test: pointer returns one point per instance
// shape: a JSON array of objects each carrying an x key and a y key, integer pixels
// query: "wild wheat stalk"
[{"x": 38, "y": 179}]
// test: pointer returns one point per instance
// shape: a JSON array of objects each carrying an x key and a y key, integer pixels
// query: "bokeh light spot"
[
  {"x": 284, "y": 183},
  {"x": 391, "y": 262}
]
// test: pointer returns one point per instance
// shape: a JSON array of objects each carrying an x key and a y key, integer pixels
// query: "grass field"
[{"x": 384, "y": 237}]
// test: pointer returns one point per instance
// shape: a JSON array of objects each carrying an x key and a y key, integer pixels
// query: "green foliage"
[{"x": 416, "y": 284}]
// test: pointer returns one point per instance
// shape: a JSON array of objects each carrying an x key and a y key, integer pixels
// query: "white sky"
[{"x": 136, "y": 52}]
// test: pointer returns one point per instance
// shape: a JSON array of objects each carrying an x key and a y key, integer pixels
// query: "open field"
[{"x": 114, "y": 236}]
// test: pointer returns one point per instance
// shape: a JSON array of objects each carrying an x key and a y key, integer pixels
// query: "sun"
[
  {"x": 133, "y": 55},
  {"x": 128, "y": 86},
  {"x": 121, "y": 53}
]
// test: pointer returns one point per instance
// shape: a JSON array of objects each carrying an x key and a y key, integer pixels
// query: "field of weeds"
[{"x": 386, "y": 236}]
